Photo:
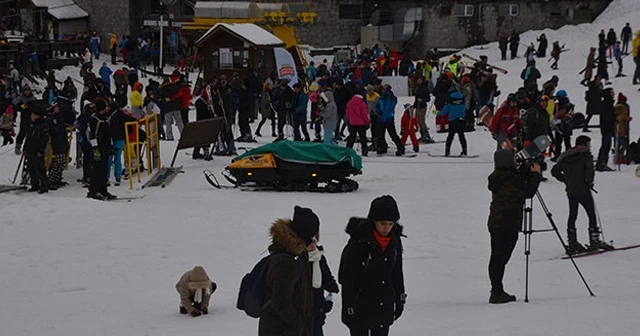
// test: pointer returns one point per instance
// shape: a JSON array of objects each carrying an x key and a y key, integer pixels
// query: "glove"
[
  {"x": 96, "y": 155},
  {"x": 328, "y": 306},
  {"x": 195, "y": 313},
  {"x": 399, "y": 309}
]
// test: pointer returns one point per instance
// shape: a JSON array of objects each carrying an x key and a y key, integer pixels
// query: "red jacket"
[
  {"x": 184, "y": 94},
  {"x": 409, "y": 123},
  {"x": 507, "y": 119},
  {"x": 357, "y": 112}
]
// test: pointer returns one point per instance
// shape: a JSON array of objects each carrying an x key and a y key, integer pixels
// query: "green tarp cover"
[{"x": 308, "y": 152}]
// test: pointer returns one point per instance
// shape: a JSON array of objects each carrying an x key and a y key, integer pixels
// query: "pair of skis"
[
  {"x": 501, "y": 70},
  {"x": 595, "y": 252}
]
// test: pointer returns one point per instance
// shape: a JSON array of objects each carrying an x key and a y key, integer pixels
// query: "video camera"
[{"x": 533, "y": 154}]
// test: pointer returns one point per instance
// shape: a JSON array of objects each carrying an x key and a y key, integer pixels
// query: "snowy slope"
[{"x": 72, "y": 266}]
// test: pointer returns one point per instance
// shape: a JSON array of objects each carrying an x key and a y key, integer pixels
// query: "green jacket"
[
  {"x": 509, "y": 190},
  {"x": 575, "y": 169}
]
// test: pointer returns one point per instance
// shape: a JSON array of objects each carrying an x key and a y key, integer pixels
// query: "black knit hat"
[
  {"x": 305, "y": 224},
  {"x": 384, "y": 208}
]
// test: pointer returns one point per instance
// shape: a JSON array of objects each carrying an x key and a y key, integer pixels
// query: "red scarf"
[{"x": 381, "y": 240}]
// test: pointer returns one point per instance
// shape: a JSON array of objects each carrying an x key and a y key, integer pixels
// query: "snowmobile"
[{"x": 293, "y": 166}]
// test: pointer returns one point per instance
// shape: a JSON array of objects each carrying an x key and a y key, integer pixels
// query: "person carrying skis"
[
  {"x": 509, "y": 190},
  {"x": 575, "y": 169},
  {"x": 542, "y": 46},
  {"x": 588, "y": 69},
  {"x": 455, "y": 109},
  {"x": 625, "y": 35},
  {"x": 555, "y": 54}
]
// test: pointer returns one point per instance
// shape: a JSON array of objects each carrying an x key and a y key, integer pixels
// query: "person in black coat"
[
  {"x": 607, "y": 129},
  {"x": 625, "y": 35},
  {"x": 603, "y": 65},
  {"x": 117, "y": 122},
  {"x": 59, "y": 146},
  {"x": 509, "y": 190},
  {"x": 514, "y": 43},
  {"x": 593, "y": 96},
  {"x": 371, "y": 275},
  {"x": 101, "y": 148},
  {"x": 503, "y": 43},
  {"x": 611, "y": 40},
  {"x": 542, "y": 46},
  {"x": 203, "y": 112},
  {"x": 35, "y": 147},
  {"x": 342, "y": 96}
]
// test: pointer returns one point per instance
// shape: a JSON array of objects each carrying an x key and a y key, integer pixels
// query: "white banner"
[{"x": 285, "y": 65}]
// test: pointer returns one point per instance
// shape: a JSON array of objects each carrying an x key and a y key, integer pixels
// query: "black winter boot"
[
  {"x": 183, "y": 310},
  {"x": 596, "y": 244},
  {"x": 501, "y": 297}
]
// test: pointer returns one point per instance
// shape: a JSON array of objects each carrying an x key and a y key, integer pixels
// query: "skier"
[
  {"x": 321, "y": 280},
  {"x": 555, "y": 54},
  {"x": 195, "y": 289},
  {"x": 422, "y": 98},
  {"x": 117, "y": 121},
  {"x": 602, "y": 39},
  {"x": 611, "y": 40},
  {"x": 409, "y": 126},
  {"x": 622, "y": 129},
  {"x": 59, "y": 146},
  {"x": 358, "y": 118},
  {"x": 506, "y": 124},
  {"x": 509, "y": 190},
  {"x": 625, "y": 35},
  {"x": 603, "y": 65},
  {"x": 288, "y": 293},
  {"x": 593, "y": 96},
  {"x": 514, "y": 43},
  {"x": 617, "y": 55},
  {"x": 503, "y": 43},
  {"x": 455, "y": 109},
  {"x": 575, "y": 169},
  {"x": 386, "y": 121},
  {"x": 530, "y": 75},
  {"x": 562, "y": 123},
  {"x": 588, "y": 69},
  {"x": 607, "y": 129},
  {"x": 371, "y": 273},
  {"x": 37, "y": 137},
  {"x": 101, "y": 147},
  {"x": 542, "y": 46},
  {"x": 25, "y": 116}
]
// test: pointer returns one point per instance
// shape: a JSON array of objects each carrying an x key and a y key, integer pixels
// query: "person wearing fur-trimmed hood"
[
  {"x": 371, "y": 275},
  {"x": 288, "y": 292},
  {"x": 195, "y": 289}
]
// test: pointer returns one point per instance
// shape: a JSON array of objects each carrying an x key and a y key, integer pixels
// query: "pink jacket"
[{"x": 357, "y": 113}]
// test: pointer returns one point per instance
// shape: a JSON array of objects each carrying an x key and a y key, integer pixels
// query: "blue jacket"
[
  {"x": 387, "y": 106},
  {"x": 105, "y": 74},
  {"x": 455, "y": 107},
  {"x": 311, "y": 73},
  {"x": 300, "y": 103}
]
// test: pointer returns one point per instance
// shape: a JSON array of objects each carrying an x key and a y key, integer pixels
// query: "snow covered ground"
[{"x": 72, "y": 266}]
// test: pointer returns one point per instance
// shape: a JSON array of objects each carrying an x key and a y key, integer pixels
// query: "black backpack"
[{"x": 251, "y": 294}]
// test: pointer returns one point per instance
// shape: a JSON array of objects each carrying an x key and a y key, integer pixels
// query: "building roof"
[
  {"x": 62, "y": 9},
  {"x": 248, "y": 31}
]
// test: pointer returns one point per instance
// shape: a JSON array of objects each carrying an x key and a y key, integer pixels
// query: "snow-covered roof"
[
  {"x": 62, "y": 9},
  {"x": 252, "y": 33}
]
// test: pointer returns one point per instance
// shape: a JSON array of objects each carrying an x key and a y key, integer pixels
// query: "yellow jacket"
[
  {"x": 114, "y": 41},
  {"x": 636, "y": 45},
  {"x": 136, "y": 99}
]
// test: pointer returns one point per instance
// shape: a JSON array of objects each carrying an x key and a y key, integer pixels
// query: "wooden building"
[{"x": 228, "y": 48}]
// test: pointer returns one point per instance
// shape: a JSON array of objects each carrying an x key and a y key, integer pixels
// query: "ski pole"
[{"x": 595, "y": 208}]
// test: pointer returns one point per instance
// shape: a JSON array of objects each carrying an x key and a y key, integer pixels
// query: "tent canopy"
[{"x": 62, "y": 9}]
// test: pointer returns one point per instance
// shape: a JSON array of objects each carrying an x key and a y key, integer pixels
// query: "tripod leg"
[
  {"x": 555, "y": 228},
  {"x": 528, "y": 230}
]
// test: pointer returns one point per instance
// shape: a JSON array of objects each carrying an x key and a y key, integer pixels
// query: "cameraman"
[
  {"x": 575, "y": 169},
  {"x": 509, "y": 187}
]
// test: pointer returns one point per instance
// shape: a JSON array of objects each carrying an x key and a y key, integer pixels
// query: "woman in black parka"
[{"x": 371, "y": 275}]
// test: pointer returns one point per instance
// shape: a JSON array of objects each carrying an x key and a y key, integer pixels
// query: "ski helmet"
[
  {"x": 561, "y": 93},
  {"x": 512, "y": 97}
]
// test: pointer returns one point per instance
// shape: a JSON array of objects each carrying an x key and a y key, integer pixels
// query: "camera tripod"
[{"x": 528, "y": 231}]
